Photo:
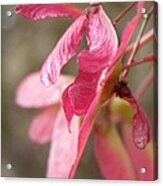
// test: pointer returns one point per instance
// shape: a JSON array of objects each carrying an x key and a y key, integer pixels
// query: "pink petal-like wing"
[
  {"x": 102, "y": 41},
  {"x": 43, "y": 11},
  {"x": 140, "y": 127},
  {"x": 32, "y": 93},
  {"x": 103, "y": 44},
  {"x": 112, "y": 157},
  {"x": 89, "y": 119},
  {"x": 141, "y": 158},
  {"x": 65, "y": 49},
  {"x": 67, "y": 147},
  {"x": 80, "y": 94},
  {"x": 63, "y": 149},
  {"x": 88, "y": 79},
  {"x": 42, "y": 126},
  {"x": 85, "y": 130},
  {"x": 67, "y": 106}
]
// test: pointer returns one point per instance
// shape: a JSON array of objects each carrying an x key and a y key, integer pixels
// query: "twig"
[
  {"x": 138, "y": 61},
  {"x": 136, "y": 44},
  {"x": 121, "y": 14},
  {"x": 144, "y": 39},
  {"x": 145, "y": 84}
]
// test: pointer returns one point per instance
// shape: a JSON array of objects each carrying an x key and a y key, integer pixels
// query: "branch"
[
  {"x": 139, "y": 61},
  {"x": 136, "y": 44},
  {"x": 145, "y": 39},
  {"x": 121, "y": 14}
]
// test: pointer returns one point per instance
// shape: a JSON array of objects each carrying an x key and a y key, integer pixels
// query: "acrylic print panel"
[{"x": 79, "y": 91}]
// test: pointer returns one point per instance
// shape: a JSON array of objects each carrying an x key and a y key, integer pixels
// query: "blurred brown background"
[{"x": 25, "y": 45}]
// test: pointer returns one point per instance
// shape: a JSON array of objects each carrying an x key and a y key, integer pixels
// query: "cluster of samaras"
[{"x": 99, "y": 98}]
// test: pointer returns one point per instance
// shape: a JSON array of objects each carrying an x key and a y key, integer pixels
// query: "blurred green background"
[{"x": 25, "y": 45}]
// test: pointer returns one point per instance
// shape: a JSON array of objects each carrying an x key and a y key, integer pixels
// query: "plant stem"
[
  {"x": 148, "y": 58},
  {"x": 145, "y": 84},
  {"x": 136, "y": 44},
  {"x": 121, "y": 14},
  {"x": 145, "y": 39}
]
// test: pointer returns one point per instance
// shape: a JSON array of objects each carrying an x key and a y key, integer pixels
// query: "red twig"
[
  {"x": 136, "y": 44},
  {"x": 145, "y": 39},
  {"x": 121, "y": 14},
  {"x": 148, "y": 58}
]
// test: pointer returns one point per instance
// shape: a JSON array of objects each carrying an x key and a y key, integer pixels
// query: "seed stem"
[
  {"x": 136, "y": 44},
  {"x": 144, "y": 39},
  {"x": 137, "y": 61},
  {"x": 121, "y": 14}
]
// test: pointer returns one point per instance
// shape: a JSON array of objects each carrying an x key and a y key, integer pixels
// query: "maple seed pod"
[{"x": 140, "y": 122}]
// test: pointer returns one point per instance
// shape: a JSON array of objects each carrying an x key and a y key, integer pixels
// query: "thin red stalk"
[
  {"x": 136, "y": 44},
  {"x": 121, "y": 14},
  {"x": 148, "y": 58},
  {"x": 145, "y": 84},
  {"x": 144, "y": 39}
]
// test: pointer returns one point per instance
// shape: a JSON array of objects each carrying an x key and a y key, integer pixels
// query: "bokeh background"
[{"x": 25, "y": 45}]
